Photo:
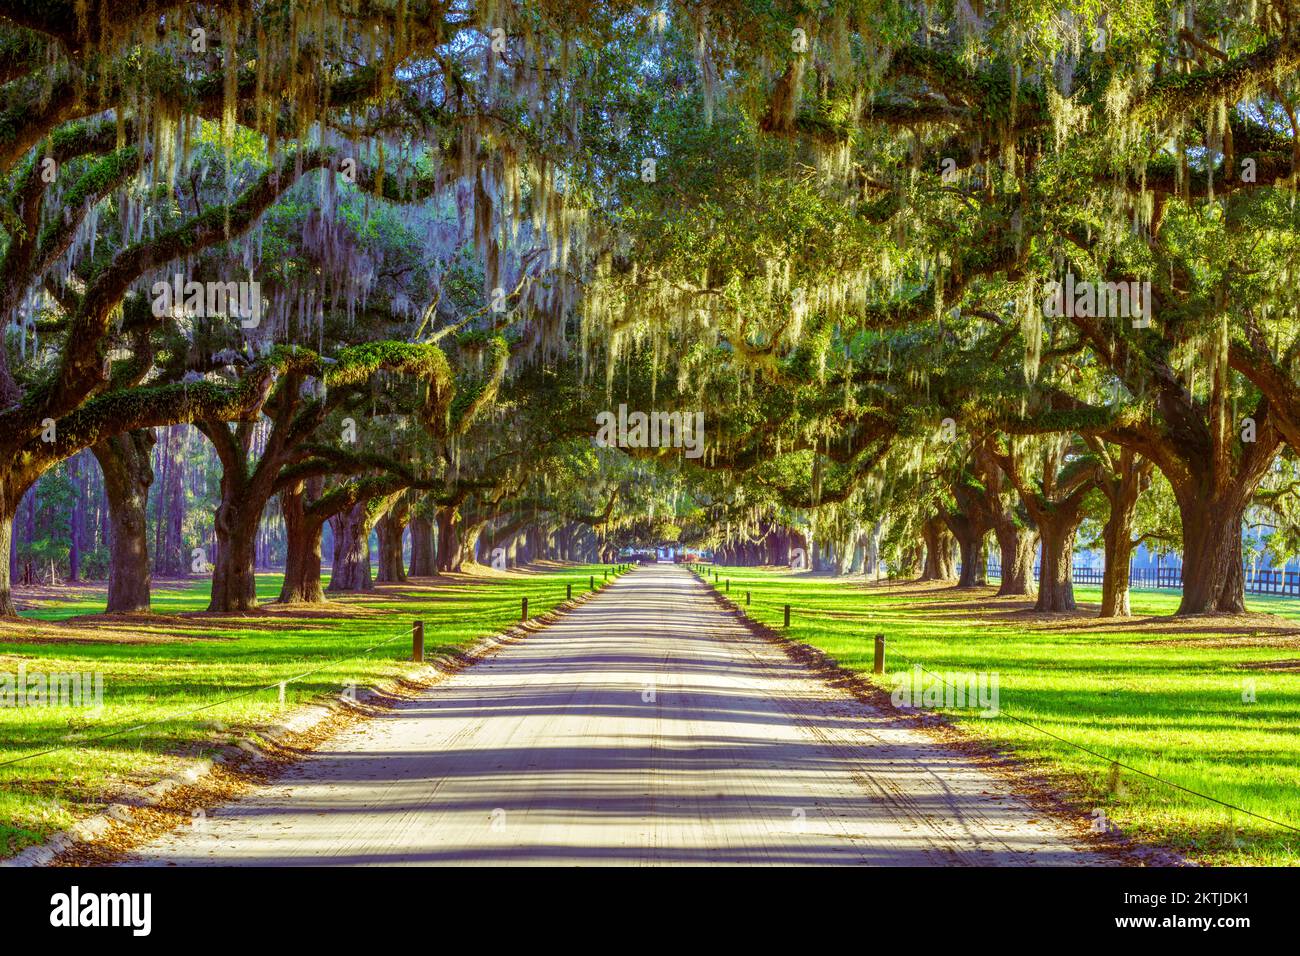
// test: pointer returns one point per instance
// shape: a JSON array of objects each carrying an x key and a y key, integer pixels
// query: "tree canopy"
[{"x": 933, "y": 273}]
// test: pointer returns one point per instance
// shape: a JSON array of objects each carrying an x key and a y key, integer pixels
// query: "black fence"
[{"x": 1257, "y": 581}]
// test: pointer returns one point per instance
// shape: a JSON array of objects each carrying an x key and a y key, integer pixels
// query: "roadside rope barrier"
[
  {"x": 198, "y": 710},
  {"x": 1070, "y": 743},
  {"x": 170, "y": 718}
]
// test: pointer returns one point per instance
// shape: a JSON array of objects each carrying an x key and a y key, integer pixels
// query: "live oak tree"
[
  {"x": 67, "y": 393},
  {"x": 317, "y": 86},
  {"x": 1005, "y": 118}
]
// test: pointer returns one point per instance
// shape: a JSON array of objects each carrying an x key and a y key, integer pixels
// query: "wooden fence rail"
[{"x": 1261, "y": 581}]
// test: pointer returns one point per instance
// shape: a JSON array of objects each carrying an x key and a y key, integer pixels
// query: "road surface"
[{"x": 645, "y": 727}]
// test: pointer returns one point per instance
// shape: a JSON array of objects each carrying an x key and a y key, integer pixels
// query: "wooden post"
[
  {"x": 787, "y": 615},
  {"x": 879, "y": 666},
  {"x": 746, "y": 599},
  {"x": 728, "y": 585},
  {"x": 593, "y": 582},
  {"x": 417, "y": 641},
  {"x": 523, "y": 612},
  {"x": 569, "y": 595}
]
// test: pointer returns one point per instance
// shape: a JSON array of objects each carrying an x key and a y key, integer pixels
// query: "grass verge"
[
  {"x": 158, "y": 671},
  {"x": 1209, "y": 704}
]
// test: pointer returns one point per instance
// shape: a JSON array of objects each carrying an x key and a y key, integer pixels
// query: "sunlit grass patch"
[
  {"x": 157, "y": 670},
  {"x": 1210, "y": 704}
]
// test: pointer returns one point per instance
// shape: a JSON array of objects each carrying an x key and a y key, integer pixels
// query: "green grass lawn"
[
  {"x": 161, "y": 669},
  {"x": 1165, "y": 697}
]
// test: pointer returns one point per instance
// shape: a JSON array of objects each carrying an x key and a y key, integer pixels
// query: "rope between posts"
[
  {"x": 1087, "y": 750},
  {"x": 145, "y": 725}
]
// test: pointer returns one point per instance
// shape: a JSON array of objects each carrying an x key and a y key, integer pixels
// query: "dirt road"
[{"x": 646, "y": 727}]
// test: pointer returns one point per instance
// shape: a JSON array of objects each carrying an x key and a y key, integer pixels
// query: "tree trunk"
[
  {"x": 1213, "y": 570},
  {"x": 389, "y": 529},
  {"x": 970, "y": 532},
  {"x": 125, "y": 461},
  {"x": 844, "y": 552},
  {"x": 10, "y": 498},
  {"x": 1017, "y": 547},
  {"x": 1056, "y": 505},
  {"x": 302, "y": 563},
  {"x": 234, "y": 583},
  {"x": 448, "y": 548},
  {"x": 1124, "y": 479},
  {"x": 974, "y": 563},
  {"x": 1056, "y": 578},
  {"x": 1118, "y": 539},
  {"x": 422, "y": 551},
  {"x": 871, "y": 560},
  {"x": 469, "y": 544},
  {"x": 351, "y": 571},
  {"x": 938, "y": 551}
]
